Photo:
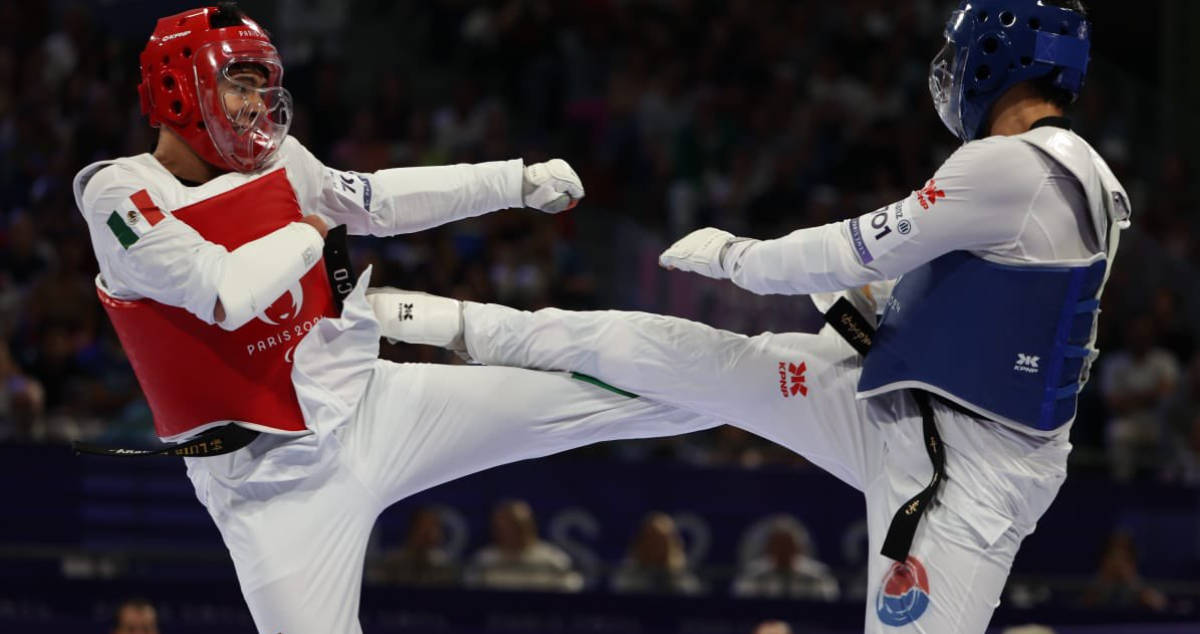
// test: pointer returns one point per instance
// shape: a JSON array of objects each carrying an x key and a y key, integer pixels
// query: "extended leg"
[
  {"x": 795, "y": 389},
  {"x": 420, "y": 425}
]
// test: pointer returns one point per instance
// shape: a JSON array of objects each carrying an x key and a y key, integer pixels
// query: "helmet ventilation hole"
[
  {"x": 1026, "y": 60},
  {"x": 1007, "y": 18},
  {"x": 983, "y": 16},
  {"x": 1064, "y": 29},
  {"x": 187, "y": 52},
  {"x": 199, "y": 125},
  {"x": 1035, "y": 23},
  {"x": 177, "y": 106},
  {"x": 983, "y": 73},
  {"x": 990, "y": 45},
  {"x": 166, "y": 60},
  {"x": 168, "y": 82}
]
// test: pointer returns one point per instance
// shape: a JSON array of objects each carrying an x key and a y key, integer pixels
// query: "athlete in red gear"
[{"x": 210, "y": 254}]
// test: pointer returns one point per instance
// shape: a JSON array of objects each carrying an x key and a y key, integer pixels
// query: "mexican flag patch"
[{"x": 137, "y": 215}]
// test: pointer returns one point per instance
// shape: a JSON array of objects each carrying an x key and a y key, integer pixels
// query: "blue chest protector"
[{"x": 1008, "y": 342}]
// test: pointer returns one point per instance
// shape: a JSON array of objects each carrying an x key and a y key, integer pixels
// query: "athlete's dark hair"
[
  {"x": 227, "y": 14},
  {"x": 1045, "y": 85},
  {"x": 230, "y": 14}
]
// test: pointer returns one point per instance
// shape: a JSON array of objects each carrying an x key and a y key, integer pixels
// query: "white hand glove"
[
  {"x": 699, "y": 252},
  {"x": 552, "y": 186}
]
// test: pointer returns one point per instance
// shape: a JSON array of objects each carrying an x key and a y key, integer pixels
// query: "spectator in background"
[
  {"x": 517, "y": 559},
  {"x": 1183, "y": 428},
  {"x": 1117, "y": 583},
  {"x": 1135, "y": 383},
  {"x": 1175, "y": 330},
  {"x": 786, "y": 568},
  {"x": 22, "y": 402},
  {"x": 135, "y": 616},
  {"x": 1184, "y": 466},
  {"x": 422, "y": 560},
  {"x": 26, "y": 255},
  {"x": 773, "y": 627},
  {"x": 657, "y": 563}
]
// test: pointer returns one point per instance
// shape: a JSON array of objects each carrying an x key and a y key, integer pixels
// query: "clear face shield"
[
  {"x": 246, "y": 111},
  {"x": 946, "y": 79}
]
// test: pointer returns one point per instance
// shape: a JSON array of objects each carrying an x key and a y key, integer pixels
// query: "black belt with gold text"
[
  {"x": 229, "y": 438},
  {"x": 851, "y": 325}
]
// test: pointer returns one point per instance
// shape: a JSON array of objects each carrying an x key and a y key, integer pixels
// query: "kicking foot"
[{"x": 415, "y": 317}]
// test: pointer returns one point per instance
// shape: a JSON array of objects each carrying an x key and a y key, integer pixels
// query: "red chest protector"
[{"x": 197, "y": 376}]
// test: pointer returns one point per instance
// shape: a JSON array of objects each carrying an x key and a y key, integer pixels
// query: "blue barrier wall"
[
  {"x": 590, "y": 507},
  {"x": 56, "y": 502}
]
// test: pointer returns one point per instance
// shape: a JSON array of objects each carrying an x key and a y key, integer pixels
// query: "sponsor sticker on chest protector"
[{"x": 880, "y": 231}]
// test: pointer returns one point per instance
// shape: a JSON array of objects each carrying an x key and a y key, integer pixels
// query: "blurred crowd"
[
  {"x": 757, "y": 116},
  {"x": 778, "y": 561}
]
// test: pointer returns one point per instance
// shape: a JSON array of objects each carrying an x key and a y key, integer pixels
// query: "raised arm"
[
  {"x": 410, "y": 199},
  {"x": 971, "y": 203}
]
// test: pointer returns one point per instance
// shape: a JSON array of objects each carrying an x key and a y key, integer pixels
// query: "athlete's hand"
[
  {"x": 317, "y": 223},
  {"x": 699, "y": 252},
  {"x": 552, "y": 186}
]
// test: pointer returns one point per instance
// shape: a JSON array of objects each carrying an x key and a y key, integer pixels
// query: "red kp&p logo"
[
  {"x": 929, "y": 194},
  {"x": 791, "y": 379}
]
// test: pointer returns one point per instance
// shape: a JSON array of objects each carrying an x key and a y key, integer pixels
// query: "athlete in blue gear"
[{"x": 987, "y": 280}]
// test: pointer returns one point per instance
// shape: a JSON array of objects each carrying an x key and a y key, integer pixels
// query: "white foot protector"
[{"x": 415, "y": 317}]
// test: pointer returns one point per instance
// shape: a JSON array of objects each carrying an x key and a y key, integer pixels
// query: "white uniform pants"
[
  {"x": 798, "y": 390},
  {"x": 296, "y": 513},
  {"x": 298, "y": 545}
]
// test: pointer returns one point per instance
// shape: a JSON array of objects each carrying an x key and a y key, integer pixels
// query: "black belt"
[
  {"x": 231, "y": 437},
  {"x": 214, "y": 442},
  {"x": 851, "y": 325}
]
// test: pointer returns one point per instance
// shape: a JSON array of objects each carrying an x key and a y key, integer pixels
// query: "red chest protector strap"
[{"x": 198, "y": 376}]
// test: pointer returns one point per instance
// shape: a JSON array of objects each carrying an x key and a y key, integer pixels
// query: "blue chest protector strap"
[{"x": 851, "y": 325}]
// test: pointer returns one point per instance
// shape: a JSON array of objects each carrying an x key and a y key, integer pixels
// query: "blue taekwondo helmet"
[{"x": 992, "y": 45}]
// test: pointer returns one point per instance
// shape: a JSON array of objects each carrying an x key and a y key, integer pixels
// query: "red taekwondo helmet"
[{"x": 195, "y": 81}]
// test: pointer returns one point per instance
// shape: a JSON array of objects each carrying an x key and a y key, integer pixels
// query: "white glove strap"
[{"x": 732, "y": 252}]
